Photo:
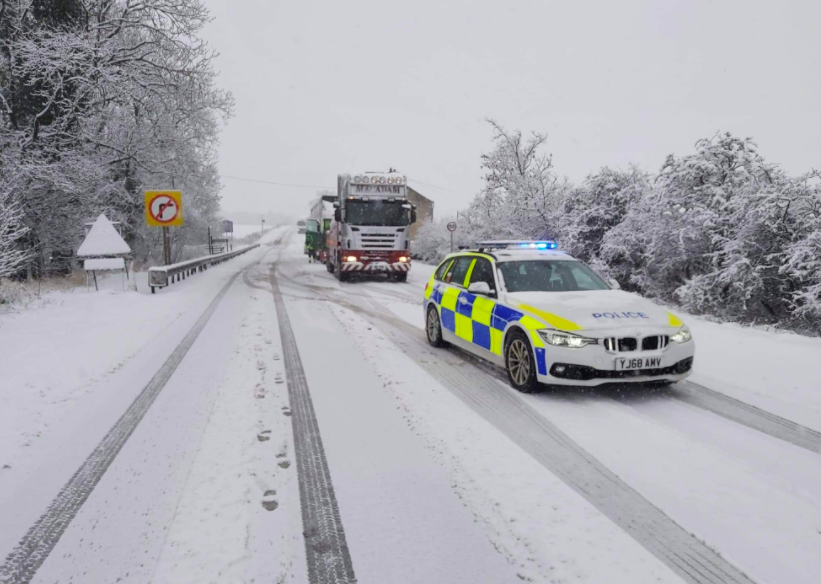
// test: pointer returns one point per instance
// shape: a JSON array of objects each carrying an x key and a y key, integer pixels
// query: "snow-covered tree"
[
  {"x": 13, "y": 254},
  {"x": 100, "y": 100},
  {"x": 522, "y": 194},
  {"x": 598, "y": 205}
]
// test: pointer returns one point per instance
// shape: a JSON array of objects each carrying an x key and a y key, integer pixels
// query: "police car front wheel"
[
  {"x": 521, "y": 368},
  {"x": 433, "y": 327}
]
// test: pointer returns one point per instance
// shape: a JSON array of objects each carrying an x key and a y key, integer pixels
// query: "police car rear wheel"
[
  {"x": 434, "y": 328},
  {"x": 521, "y": 370}
]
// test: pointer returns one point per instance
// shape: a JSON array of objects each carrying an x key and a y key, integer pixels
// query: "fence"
[{"x": 162, "y": 276}]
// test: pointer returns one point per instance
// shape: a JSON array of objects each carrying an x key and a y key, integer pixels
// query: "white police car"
[{"x": 547, "y": 317}]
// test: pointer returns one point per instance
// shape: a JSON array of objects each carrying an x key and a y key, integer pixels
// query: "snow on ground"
[
  {"x": 775, "y": 371},
  {"x": 749, "y": 496},
  {"x": 239, "y": 517},
  {"x": 80, "y": 355},
  {"x": 204, "y": 490},
  {"x": 241, "y": 231},
  {"x": 428, "y": 491}
]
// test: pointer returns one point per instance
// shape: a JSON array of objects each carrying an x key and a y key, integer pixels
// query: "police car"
[{"x": 548, "y": 318}]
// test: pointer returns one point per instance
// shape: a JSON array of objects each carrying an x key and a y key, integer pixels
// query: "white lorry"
[{"x": 369, "y": 233}]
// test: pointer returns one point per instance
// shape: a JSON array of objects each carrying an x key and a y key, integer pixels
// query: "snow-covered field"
[
  {"x": 241, "y": 231},
  {"x": 441, "y": 472}
]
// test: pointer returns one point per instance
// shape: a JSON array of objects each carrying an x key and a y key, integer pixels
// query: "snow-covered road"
[{"x": 318, "y": 438}]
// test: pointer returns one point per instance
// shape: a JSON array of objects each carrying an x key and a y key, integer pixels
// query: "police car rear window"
[{"x": 547, "y": 276}]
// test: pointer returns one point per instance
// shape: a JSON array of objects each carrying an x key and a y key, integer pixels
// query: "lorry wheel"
[
  {"x": 520, "y": 364},
  {"x": 340, "y": 275},
  {"x": 329, "y": 266},
  {"x": 401, "y": 277}
]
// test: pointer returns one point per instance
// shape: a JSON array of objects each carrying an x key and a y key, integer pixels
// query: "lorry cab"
[{"x": 369, "y": 233}]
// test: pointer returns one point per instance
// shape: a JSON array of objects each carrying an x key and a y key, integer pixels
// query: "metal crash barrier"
[{"x": 162, "y": 276}]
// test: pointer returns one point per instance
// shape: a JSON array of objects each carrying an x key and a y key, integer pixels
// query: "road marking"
[
  {"x": 326, "y": 550},
  {"x": 23, "y": 562}
]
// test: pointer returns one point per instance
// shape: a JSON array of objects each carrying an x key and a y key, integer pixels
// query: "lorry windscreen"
[{"x": 376, "y": 213}]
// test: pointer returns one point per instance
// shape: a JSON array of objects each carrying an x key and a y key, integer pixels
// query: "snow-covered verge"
[
  {"x": 775, "y": 371},
  {"x": 57, "y": 354}
]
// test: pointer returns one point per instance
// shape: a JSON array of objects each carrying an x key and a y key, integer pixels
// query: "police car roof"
[{"x": 519, "y": 255}]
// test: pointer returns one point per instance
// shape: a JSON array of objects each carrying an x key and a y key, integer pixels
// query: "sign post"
[
  {"x": 451, "y": 228},
  {"x": 164, "y": 209}
]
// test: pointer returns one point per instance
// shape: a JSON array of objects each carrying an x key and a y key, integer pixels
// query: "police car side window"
[
  {"x": 483, "y": 272},
  {"x": 458, "y": 271},
  {"x": 440, "y": 273}
]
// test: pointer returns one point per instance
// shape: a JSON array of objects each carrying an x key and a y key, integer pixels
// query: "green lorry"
[{"x": 314, "y": 240}]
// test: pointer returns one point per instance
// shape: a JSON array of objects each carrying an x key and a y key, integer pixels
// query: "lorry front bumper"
[{"x": 375, "y": 267}]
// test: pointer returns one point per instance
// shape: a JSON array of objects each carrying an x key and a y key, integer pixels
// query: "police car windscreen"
[
  {"x": 549, "y": 276},
  {"x": 376, "y": 213}
]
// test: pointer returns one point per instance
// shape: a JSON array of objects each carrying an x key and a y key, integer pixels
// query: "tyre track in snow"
[
  {"x": 747, "y": 415},
  {"x": 22, "y": 563},
  {"x": 689, "y": 558},
  {"x": 326, "y": 549}
]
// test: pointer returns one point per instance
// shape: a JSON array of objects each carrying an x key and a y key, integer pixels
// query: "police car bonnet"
[{"x": 598, "y": 309}]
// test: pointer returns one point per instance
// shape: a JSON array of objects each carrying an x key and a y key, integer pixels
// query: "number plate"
[{"x": 634, "y": 363}]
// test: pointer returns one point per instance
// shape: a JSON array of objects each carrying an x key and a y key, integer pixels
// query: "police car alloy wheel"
[
  {"x": 521, "y": 368},
  {"x": 434, "y": 328}
]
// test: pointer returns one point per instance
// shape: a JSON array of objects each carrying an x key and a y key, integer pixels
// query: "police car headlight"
[
  {"x": 682, "y": 336},
  {"x": 561, "y": 339}
]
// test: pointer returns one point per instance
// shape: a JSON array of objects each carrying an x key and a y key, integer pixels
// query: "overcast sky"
[{"x": 338, "y": 86}]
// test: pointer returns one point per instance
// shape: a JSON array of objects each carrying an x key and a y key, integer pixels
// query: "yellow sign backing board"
[{"x": 163, "y": 208}]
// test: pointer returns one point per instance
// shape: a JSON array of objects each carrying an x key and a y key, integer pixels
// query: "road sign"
[
  {"x": 163, "y": 208},
  {"x": 227, "y": 226},
  {"x": 452, "y": 226}
]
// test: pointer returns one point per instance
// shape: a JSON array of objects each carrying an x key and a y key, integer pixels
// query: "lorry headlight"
[
  {"x": 403, "y": 259},
  {"x": 562, "y": 339},
  {"x": 682, "y": 336},
  {"x": 350, "y": 259}
]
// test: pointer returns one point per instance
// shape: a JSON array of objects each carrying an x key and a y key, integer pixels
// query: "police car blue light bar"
[{"x": 517, "y": 245}]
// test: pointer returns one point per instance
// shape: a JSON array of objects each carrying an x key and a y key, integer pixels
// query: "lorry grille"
[
  {"x": 378, "y": 240},
  {"x": 628, "y": 344}
]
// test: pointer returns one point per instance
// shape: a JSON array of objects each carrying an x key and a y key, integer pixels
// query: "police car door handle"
[{"x": 463, "y": 300}]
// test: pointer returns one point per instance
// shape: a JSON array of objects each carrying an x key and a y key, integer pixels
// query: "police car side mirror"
[
  {"x": 614, "y": 284},
  {"x": 479, "y": 288}
]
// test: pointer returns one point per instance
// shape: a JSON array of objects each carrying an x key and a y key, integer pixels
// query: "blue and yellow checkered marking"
[
  {"x": 482, "y": 321},
  {"x": 448, "y": 318},
  {"x": 541, "y": 365}
]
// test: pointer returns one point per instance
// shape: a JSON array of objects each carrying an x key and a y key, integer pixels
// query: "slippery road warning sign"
[{"x": 163, "y": 208}]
